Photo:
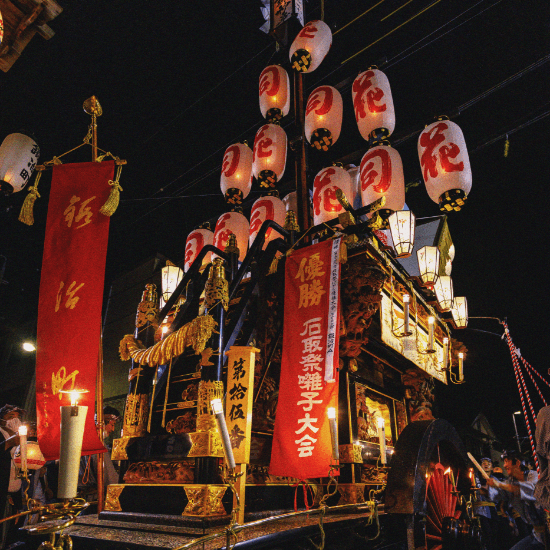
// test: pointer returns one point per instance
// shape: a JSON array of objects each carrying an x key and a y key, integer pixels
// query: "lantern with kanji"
[
  {"x": 196, "y": 241},
  {"x": 236, "y": 178},
  {"x": 323, "y": 117},
  {"x": 381, "y": 175},
  {"x": 236, "y": 223},
  {"x": 325, "y": 202},
  {"x": 274, "y": 93},
  {"x": 445, "y": 164},
  {"x": 18, "y": 157},
  {"x": 266, "y": 208},
  {"x": 373, "y": 104},
  {"x": 269, "y": 158},
  {"x": 460, "y": 312},
  {"x": 310, "y": 46}
]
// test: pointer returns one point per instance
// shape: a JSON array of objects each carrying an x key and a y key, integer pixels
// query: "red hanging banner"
[
  {"x": 71, "y": 296},
  {"x": 309, "y": 366}
]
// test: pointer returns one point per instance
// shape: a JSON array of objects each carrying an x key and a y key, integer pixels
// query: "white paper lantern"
[
  {"x": 274, "y": 93},
  {"x": 236, "y": 223},
  {"x": 310, "y": 46},
  {"x": 402, "y": 228},
  {"x": 428, "y": 264},
  {"x": 266, "y": 208},
  {"x": 236, "y": 178},
  {"x": 460, "y": 312},
  {"x": 323, "y": 117},
  {"x": 381, "y": 175},
  {"x": 444, "y": 292},
  {"x": 171, "y": 275},
  {"x": 373, "y": 103},
  {"x": 18, "y": 157},
  {"x": 445, "y": 164},
  {"x": 196, "y": 241},
  {"x": 325, "y": 203},
  {"x": 269, "y": 158}
]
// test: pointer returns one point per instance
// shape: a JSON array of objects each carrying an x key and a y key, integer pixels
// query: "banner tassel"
[
  {"x": 273, "y": 266},
  {"x": 112, "y": 202},
  {"x": 343, "y": 253},
  {"x": 26, "y": 215}
]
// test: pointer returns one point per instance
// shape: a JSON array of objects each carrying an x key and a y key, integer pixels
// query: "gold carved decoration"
[
  {"x": 208, "y": 390},
  {"x": 147, "y": 312},
  {"x": 119, "y": 448},
  {"x": 351, "y": 493},
  {"x": 204, "y": 500},
  {"x": 112, "y": 503},
  {"x": 205, "y": 444},
  {"x": 160, "y": 472},
  {"x": 135, "y": 415},
  {"x": 216, "y": 289},
  {"x": 350, "y": 454},
  {"x": 194, "y": 334}
]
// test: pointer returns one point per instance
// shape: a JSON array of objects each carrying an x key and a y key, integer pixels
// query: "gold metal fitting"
[{"x": 92, "y": 107}]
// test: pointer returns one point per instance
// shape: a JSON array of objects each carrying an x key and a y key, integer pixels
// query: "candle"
[
  {"x": 460, "y": 366},
  {"x": 445, "y": 352},
  {"x": 72, "y": 432},
  {"x": 382, "y": 439},
  {"x": 331, "y": 413},
  {"x": 431, "y": 321},
  {"x": 23, "y": 448},
  {"x": 217, "y": 408},
  {"x": 406, "y": 300}
]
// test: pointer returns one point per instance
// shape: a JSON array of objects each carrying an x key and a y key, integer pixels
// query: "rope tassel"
[
  {"x": 112, "y": 202},
  {"x": 26, "y": 215}
]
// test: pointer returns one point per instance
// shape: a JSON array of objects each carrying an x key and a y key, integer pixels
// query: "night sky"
[{"x": 178, "y": 84}]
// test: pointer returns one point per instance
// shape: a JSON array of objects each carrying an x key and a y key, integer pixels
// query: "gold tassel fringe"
[
  {"x": 26, "y": 215},
  {"x": 112, "y": 202},
  {"x": 273, "y": 266},
  {"x": 343, "y": 252}
]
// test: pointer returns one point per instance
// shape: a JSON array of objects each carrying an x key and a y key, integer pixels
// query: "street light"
[{"x": 516, "y": 428}]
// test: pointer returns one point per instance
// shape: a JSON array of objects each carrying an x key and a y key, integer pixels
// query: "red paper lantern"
[
  {"x": 445, "y": 164},
  {"x": 196, "y": 241},
  {"x": 325, "y": 203},
  {"x": 274, "y": 93},
  {"x": 269, "y": 158},
  {"x": 373, "y": 103},
  {"x": 381, "y": 175},
  {"x": 323, "y": 117},
  {"x": 236, "y": 178},
  {"x": 236, "y": 223},
  {"x": 266, "y": 208},
  {"x": 310, "y": 47}
]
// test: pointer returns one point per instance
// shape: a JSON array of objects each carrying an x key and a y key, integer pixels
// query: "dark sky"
[{"x": 178, "y": 84}]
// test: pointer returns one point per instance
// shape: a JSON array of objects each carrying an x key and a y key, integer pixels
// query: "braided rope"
[
  {"x": 519, "y": 377},
  {"x": 533, "y": 380},
  {"x": 529, "y": 367}
]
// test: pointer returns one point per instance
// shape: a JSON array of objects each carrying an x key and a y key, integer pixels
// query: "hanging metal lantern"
[
  {"x": 269, "y": 158},
  {"x": 196, "y": 241},
  {"x": 236, "y": 178},
  {"x": 402, "y": 226},
  {"x": 460, "y": 312},
  {"x": 236, "y": 223},
  {"x": 373, "y": 104},
  {"x": 274, "y": 93},
  {"x": 382, "y": 176},
  {"x": 325, "y": 203},
  {"x": 18, "y": 157},
  {"x": 428, "y": 264},
  {"x": 170, "y": 278},
  {"x": 445, "y": 164},
  {"x": 323, "y": 117},
  {"x": 444, "y": 292},
  {"x": 266, "y": 208},
  {"x": 310, "y": 47}
]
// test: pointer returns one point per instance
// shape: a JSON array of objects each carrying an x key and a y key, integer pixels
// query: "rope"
[
  {"x": 533, "y": 380},
  {"x": 528, "y": 366}
]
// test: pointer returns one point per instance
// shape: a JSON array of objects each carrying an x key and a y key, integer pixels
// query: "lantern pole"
[
  {"x": 93, "y": 108},
  {"x": 302, "y": 193}
]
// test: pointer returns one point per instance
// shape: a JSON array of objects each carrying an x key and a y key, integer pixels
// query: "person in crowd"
[
  {"x": 485, "y": 508},
  {"x": 542, "y": 438}
]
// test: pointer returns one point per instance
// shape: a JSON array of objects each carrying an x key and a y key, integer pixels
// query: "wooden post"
[
  {"x": 99, "y": 401},
  {"x": 240, "y": 486},
  {"x": 302, "y": 192}
]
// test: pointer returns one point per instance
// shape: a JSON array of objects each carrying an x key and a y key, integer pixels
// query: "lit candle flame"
[{"x": 447, "y": 471}]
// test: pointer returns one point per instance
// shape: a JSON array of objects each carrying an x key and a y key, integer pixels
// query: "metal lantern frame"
[
  {"x": 428, "y": 264},
  {"x": 444, "y": 292},
  {"x": 459, "y": 312},
  {"x": 402, "y": 227}
]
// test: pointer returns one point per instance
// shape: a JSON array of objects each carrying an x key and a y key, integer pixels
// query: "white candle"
[
  {"x": 460, "y": 366},
  {"x": 445, "y": 352},
  {"x": 217, "y": 408},
  {"x": 23, "y": 447},
  {"x": 331, "y": 413},
  {"x": 72, "y": 432},
  {"x": 382, "y": 439},
  {"x": 406, "y": 300},
  {"x": 431, "y": 321}
]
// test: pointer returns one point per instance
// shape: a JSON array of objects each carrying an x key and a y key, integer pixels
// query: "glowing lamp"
[
  {"x": 460, "y": 366},
  {"x": 171, "y": 277},
  {"x": 381, "y": 424},
  {"x": 381, "y": 175},
  {"x": 274, "y": 93},
  {"x": 444, "y": 292},
  {"x": 28, "y": 346},
  {"x": 331, "y": 414},
  {"x": 431, "y": 321},
  {"x": 373, "y": 104},
  {"x": 445, "y": 164},
  {"x": 428, "y": 264},
  {"x": 196, "y": 241},
  {"x": 325, "y": 203},
  {"x": 310, "y": 47},
  {"x": 266, "y": 208},
  {"x": 402, "y": 225},
  {"x": 269, "y": 156},
  {"x": 460, "y": 312},
  {"x": 18, "y": 157},
  {"x": 35, "y": 458},
  {"x": 236, "y": 177},
  {"x": 323, "y": 117},
  {"x": 236, "y": 223},
  {"x": 445, "y": 352}
]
